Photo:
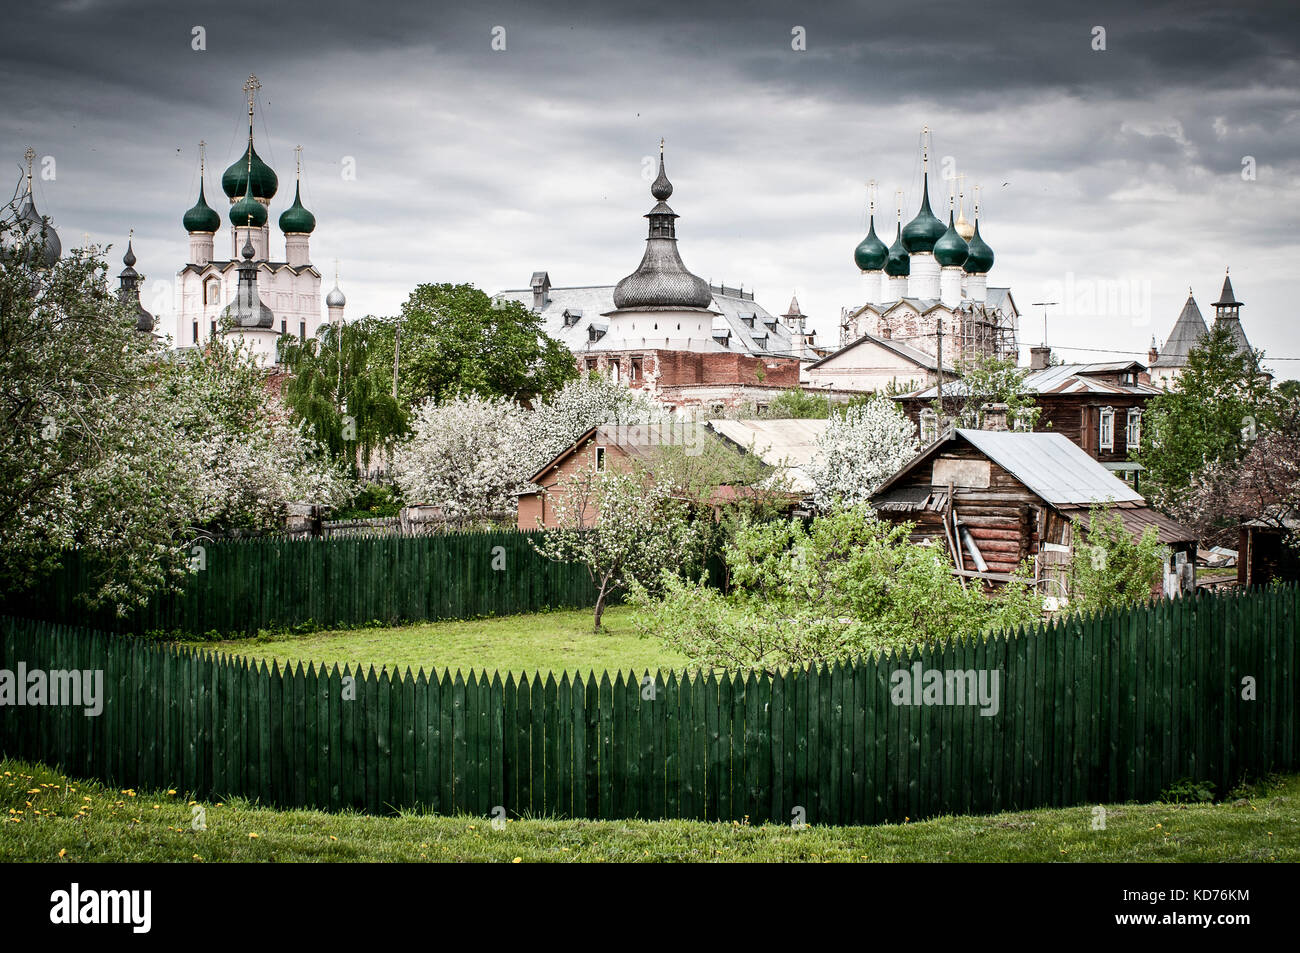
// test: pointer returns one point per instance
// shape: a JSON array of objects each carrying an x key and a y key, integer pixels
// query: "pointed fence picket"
[
  {"x": 268, "y": 583},
  {"x": 1112, "y": 707}
]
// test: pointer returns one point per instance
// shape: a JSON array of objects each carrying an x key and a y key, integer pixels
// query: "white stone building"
[{"x": 288, "y": 289}]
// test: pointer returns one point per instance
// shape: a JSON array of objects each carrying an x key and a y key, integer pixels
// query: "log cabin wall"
[{"x": 1001, "y": 515}]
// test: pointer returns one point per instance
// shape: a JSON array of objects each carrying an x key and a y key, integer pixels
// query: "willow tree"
[{"x": 340, "y": 393}]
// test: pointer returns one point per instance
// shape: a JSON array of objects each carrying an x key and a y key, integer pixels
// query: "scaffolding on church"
[{"x": 984, "y": 333}]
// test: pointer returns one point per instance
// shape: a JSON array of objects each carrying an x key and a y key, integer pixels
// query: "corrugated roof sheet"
[
  {"x": 785, "y": 443},
  {"x": 1137, "y": 519},
  {"x": 1051, "y": 466},
  {"x": 1062, "y": 379}
]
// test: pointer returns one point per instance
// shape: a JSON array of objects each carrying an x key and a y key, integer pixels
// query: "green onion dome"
[
  {"x": 871, "y": 254},
  {"x": 248, "y": 211},
  {"x": 951, "y": 249},
  {"x": 898, "y": 265},
  {"x": 922, "y": 232},
  {"x": 201, "y": 218},
  {"x": 249, "y": 173},
  {"x": 296, "y": 218},
  {"x": 980, "y": 259}
]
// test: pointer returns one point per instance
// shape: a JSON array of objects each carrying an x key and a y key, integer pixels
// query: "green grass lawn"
[
  {"x": 538, "y": 642},
  {"x": 45, "y": 816}
]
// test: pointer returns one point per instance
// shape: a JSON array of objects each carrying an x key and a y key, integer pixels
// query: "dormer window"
[
  {"x": 594, "y": 333},
  {"x": 572, "y": 316},
  {"x": 747, "y": 317}
]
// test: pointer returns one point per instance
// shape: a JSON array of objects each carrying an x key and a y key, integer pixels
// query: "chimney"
[
  {"x": 1152, "y": 353},
  {"x": 1040, "y": 357},
  {"x": 995, "y": 416}
]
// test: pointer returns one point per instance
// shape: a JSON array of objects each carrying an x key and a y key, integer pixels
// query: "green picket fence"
[
  {"x": 1107, "y": 708},
  {"x": 250, "y": 584}
]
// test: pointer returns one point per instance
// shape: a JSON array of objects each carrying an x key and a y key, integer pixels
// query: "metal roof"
[
  {"x": 595, "y": 300},
  {"x": 1187, "y": 333},
  {"x": 1062, "y": 379},
  {"x": 787, "y": 443},
  {"x": 906, "y": 351},
  {"x": 1051, "y": 466}
]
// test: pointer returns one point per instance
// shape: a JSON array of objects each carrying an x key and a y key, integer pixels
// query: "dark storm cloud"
[{"x": 483, "y": 166}]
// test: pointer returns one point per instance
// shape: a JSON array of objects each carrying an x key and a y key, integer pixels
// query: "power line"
[{"x": 1109, "y": 350}]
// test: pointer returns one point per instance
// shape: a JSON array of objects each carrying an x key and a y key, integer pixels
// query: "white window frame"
[
  {"x": 1106, "y": 429},
  {"x": 928, "y": 425},
  {"x": 1133, "y": 430},
  {"x": 600, "y": 459}
]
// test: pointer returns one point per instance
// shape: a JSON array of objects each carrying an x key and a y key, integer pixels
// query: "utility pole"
[{"x": 938, "y": 360}]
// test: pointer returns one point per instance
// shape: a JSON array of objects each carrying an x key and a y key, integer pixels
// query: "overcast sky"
[{"x": 1101, "y": 169}]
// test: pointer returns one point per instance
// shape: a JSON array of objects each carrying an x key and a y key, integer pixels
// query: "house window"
[
  {"x": 634, "y": 372},
  {"x": 284, "y": 326},
  {"x": 212, "y": 293},
  {"x": 591, "y": 363},
  {"x": 594, "y": 333},
  {"x": 302, "y": 330},
  {"x": 196, "y": 332},
  {"x": 1106, "y": 429},
  {"x": 1133, "y": 432},
  {"x": 214, "y": 328},
  {"x": 929, "y": 426},
  {"x": 600, "y": 458}
]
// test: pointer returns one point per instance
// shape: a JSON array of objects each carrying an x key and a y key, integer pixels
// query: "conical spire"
[
  {"x": 662, "y": 280},
  {"x": 1227, "y": 299},
  {"x": 128, "y": 291}
]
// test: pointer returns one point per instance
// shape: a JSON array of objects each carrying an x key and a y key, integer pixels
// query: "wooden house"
[
  {"x": 993, "y": 498},
  {"x": 1097, "y": 406}
]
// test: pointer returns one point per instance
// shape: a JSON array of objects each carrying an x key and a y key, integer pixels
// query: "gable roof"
[
  {"x": 789, "y": 443},
  {"x": 1186, "y": 334},
  {"x": 906, "y": 351},
  {"x": 611, "y": 435},
  {"x": 1048, "y": 464},
  {"x": 1060, "y": 379}
]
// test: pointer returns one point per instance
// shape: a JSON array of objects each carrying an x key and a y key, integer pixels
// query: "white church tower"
[{"x": 207, "y": 287}]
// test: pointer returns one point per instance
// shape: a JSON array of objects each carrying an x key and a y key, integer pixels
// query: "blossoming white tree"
[
  {"x": 577, "y": 407},
  {"x": 465, "y": 455},
  {"x": 859, "y": 450}
]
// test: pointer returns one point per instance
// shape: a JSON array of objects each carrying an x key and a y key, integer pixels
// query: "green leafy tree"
[
  {"x": 988, "y": 380},
  {"x": 845, "y": 585},
  {"x": 1219, "y": 404},
  {"x": 1110, "y": 568},
  {"x": 797, "y": 403},
  {"x": 339, "y": 389},
  {"x": 456, "y": 340},
  {"x": 625, "y": 528}
]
